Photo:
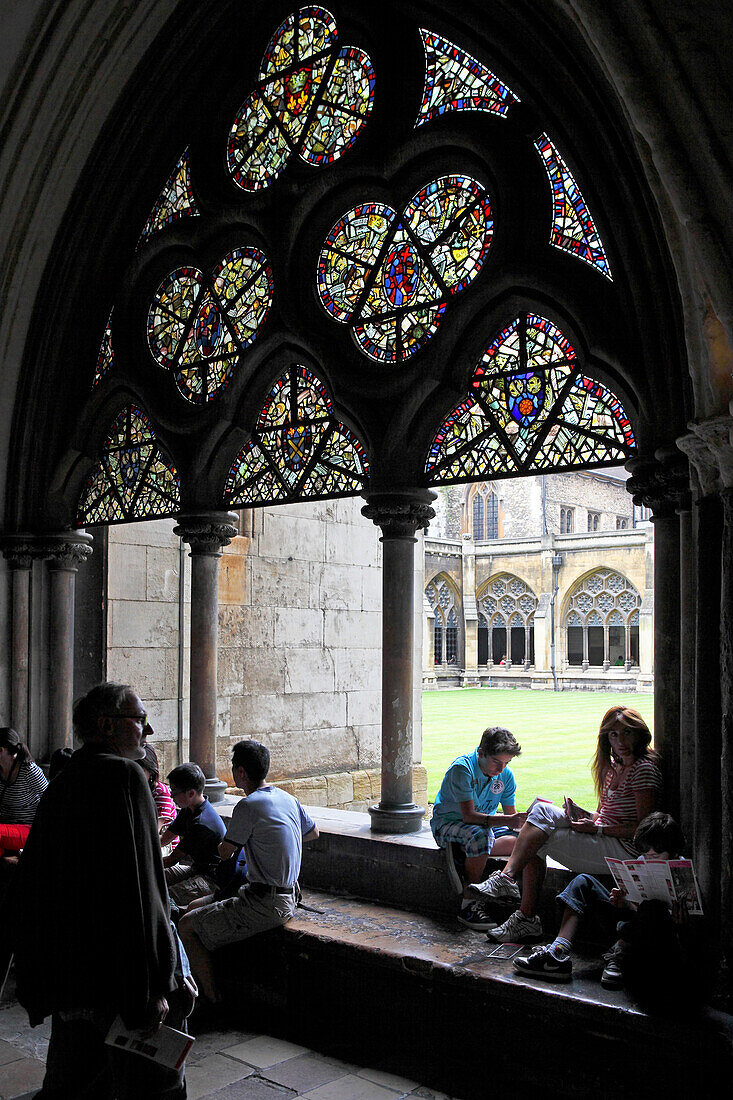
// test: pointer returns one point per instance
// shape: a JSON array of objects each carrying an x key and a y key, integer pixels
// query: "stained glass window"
[
  {"x": 175, "y": 201},
  {"x": 199, "y": 325},
  {"x": 134, "y": 480},
  {"x": 106, "y": 358},
  {"x": 573, "y": 228},
  {"x": 391, "y": 277},
  {"x": 530, "y": 408},
  {"x": 455, "y": 81},
  {"x": 298, "y": 449},
  {"x": 313, "y": 97}
]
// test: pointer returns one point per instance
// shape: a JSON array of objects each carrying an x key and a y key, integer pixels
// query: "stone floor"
[{"x": 223, "y": 1064}]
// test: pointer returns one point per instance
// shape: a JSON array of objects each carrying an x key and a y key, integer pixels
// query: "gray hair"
[{"x": 102, "y": 699}]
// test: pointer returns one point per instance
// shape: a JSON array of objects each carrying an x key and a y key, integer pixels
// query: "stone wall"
[
  {"x": 356, "y": 790},
  {"x": 299, "y": 659}
]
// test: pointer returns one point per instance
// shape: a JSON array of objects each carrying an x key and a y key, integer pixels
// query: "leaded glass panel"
[
  {"x": 390, "y": 277},
  {"x": 106, "y": 357},
  {"x": 199, "y": 325},
  {"x": 455, "y": 81},
  {"x": 312, "y": 100},
  {"x": 135, "y": 478},
  {"x": 175, "y": 201},
  {"x": 530, "y": 409},
  {"x": 298, "y": 450},
  {"x": 573, "y": 228}
]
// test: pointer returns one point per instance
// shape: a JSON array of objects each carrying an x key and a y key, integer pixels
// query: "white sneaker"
[
  {"x": 497, "y": 885},
  {"x": 517, "y": 929}
]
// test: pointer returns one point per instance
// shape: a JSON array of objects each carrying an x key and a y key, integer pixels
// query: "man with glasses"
[{"x": 89, "y": 910}]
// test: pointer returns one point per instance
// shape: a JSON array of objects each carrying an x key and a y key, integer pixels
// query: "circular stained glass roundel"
[
  {"x": 390, "y": 277},
  {"x": 199, "y": 324}
]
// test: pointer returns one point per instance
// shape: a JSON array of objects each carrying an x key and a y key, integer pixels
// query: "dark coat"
[{"x": 88, "y": 908}]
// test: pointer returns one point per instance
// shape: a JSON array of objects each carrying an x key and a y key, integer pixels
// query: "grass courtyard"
[{"x": 557, "y": 731}]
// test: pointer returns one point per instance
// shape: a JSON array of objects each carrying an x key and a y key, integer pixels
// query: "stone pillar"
[
  {"x": 428, "y": 644},
  {"x": 726, "y": 758},
  {"x": 64, "y": 552},
  {"x": 687, "y": 663},
  {"x": 399, "y": 515},
  {"x": 657, "y": 484},
  {"x": 207, "y": 534},
  {"x": 470, "y": 613},
  {"x": 18, "y": 553}
]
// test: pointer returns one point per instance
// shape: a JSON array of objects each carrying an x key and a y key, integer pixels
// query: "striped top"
[
  {"x": 165, "y": 807},
  {"x": 618, "y": 807},
  {"x": 19, "y": 799}
]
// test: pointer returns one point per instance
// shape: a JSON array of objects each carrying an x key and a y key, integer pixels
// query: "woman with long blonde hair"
[{"x": 629, "y": 786}]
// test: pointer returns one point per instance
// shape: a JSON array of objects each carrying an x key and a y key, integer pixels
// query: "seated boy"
[
  {"x": 464, "y": 815},
  {"x": 657, "y": 837},
  {"x": 190, "y": 867}
]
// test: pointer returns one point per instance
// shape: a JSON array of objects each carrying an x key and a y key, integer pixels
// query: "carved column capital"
[
  {"x": 65, "y": 550},
  {"x": 658, "y": 483},
  {"x": 207, "y": 532},
  {"x": 400, "y": 515},
  {"x": 709, "y": 446},
  {"x": 18, "y": 550}
]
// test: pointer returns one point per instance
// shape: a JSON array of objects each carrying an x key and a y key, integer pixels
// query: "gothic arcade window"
[
  {"x": 312, "y": 99},
  {"x": 455, "y": 81},
  {"x": 299, "y": 449},
  {"x": 530, "y": 408},
  {"x": 622, "y": 523},
  {"x": 567, "y": 521},
  {"x": 602, "y": 621},
  {"x": 442, "y": 599},
  {"x": 485, "y": 513},
  {"x": 390, "y": 277},
  {"x": 135, "y": 478},
  {"x": 594, "y": 521},
  {"x": 506, "y": 609}
]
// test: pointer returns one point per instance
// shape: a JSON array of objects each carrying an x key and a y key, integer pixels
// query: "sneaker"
[
  {"x": 475, "y": 916},
  {"x": 497, "y": 886},
  {"x": 613, "y": 972},
  {"x": 455, "y": 861},
  {"x": 543, "y": 964},
  {"x": 517, "y": 929}
]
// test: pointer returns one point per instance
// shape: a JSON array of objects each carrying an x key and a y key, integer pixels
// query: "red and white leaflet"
[{"x": 685, "y": 885}]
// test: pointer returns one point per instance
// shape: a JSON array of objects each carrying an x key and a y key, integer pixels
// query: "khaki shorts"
[{"x": 240, "y": 917}]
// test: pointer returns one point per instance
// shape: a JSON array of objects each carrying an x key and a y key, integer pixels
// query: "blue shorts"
[{"x": 476, "y": 840}]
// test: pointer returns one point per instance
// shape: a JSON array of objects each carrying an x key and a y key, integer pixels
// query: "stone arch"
[
  {"x": 506, "y": 606},
  {"x": 446, "y": 605},
  {"x": 600, "y": 620}
]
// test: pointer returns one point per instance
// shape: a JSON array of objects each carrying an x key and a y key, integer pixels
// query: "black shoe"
[
  {"x": 613, "y": 972},
  {"x": 455, "y": 862},
  {"x": 543, "y": 964},
  {"x": 475, "y": 916}
]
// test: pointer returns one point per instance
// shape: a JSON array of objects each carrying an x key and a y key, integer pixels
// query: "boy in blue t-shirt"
[{"x": 465, "y": 815}]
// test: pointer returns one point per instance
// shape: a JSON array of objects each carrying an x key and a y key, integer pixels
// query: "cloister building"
[{"x": 272, "y": 277}]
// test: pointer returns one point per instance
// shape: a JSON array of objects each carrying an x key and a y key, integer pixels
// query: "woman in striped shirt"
[
  {"x": 21, "y": 785},
  {"x": 629, "y": 786}
]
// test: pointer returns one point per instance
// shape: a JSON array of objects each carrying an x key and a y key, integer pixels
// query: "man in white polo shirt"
[{"x": 271, "y": 826}]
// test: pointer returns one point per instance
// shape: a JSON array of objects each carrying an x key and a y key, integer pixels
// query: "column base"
[
  {"x": 470, "y": 680},
  {"x": 215, "y": 789},
  {"x": 398, "y": 819}
]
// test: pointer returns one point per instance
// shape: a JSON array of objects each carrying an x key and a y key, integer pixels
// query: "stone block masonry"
[{"x": 355, "y": 791}]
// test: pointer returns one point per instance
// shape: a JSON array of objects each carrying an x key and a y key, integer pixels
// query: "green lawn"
[{"x": 557, "y": 731}]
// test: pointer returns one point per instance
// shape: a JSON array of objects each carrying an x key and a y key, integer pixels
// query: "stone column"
[
  {"x": 207, "y": 534},
  {"x": 64, "y": 553},
  {"x": 687, "y": 662},
  {"x": 399, "y": 515},
  {"x": 470, "y": 613},
  {"x": 18, "y": 553},
  {"x": 428, "y": 644},
  {"x": 726, "y": 758}
]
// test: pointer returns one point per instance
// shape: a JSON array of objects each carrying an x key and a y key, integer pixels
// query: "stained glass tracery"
[
  {"x": 455, "y": 81},
  {"x": 573, "y": 228},
  {"x": 175, "y": 201},
  {"x": 312, "y": 99},
  {"x": 106, "y": 356},
  {"x": 199, "y": 325},
  {"x": 135, "y": 478},
  {"x": 530, "y": 409},
  {"x": 298, "y": 449},
  {"x": 391, "y": 277}
]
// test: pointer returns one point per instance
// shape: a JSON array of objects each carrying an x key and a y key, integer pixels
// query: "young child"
[
  {"x": 465, "y": 816},
  {"x": 640, "y": 929},
  {"x": 190, "y": 867}
]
